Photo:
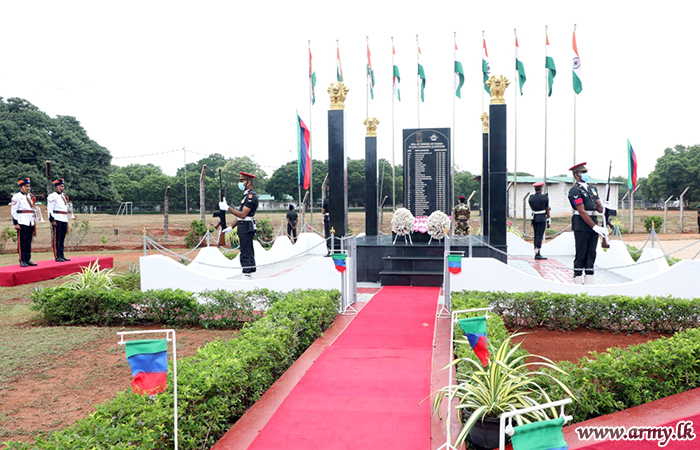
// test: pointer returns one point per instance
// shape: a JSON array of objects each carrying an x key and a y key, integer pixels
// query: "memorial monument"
[{"x": 427, "y": 175}]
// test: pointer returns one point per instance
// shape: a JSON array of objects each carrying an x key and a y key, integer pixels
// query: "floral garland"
[
  {"x": 402, "y": 222},
  {"x": 438, "y": 225}
]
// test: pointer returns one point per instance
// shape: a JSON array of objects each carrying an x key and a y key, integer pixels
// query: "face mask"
[
  {"x": 241, "y": 186},
  {"x": 584, "y": 177}
]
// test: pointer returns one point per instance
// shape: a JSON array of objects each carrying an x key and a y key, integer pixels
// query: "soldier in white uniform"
[
  {"x": 57, "y": 206},
  {"x": 23, "y": 219}
]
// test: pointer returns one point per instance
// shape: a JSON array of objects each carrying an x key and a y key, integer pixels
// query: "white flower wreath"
[
  {"x": 438, "y": 225},
  {"x": 402, "y": 222}
]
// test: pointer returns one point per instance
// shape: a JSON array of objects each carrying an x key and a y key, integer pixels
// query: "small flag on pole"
[
  {"x": 475, "y": 330},
  {"x": 519, "y": 66},
  {"x": 545, "y": 435},
  {"x": 339, "y": 68},
  {"x": 304, "y": 161},
  {"x": 421, "y": 75},
  {"x": 454, "y": 264},
  {"x": 370, "y": 74},
  {"x": 631, "y": 167},
  {"x": 149, "y": 365},
  {"x": 459, "y": 74},
  {"x": 339, "y": 261},
  {"x": 312, "y": 79},
  {"x": 397, "y": 77},
  {"x": 549, "y": 64},
  {"x": 485, "y": 68},
  {"x": 578, "y": 86}
]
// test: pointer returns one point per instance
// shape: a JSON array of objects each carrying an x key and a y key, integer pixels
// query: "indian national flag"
[
  {"x": 370, "y": 74},
  {"x": 149, "y": 365},
  {"x": 312, "y": 80},
  {"x": 519, "y": 66},
  {"x": 485, "y": 68},
  {"x": 459, "y": 74},
  {"x": 578, "y": 87},
  {"x": 549, "y": 64},
  {"x": 421, "y": 74},
  {"x": 339, "y": 68},
  {"x": 397, "y": 77}
]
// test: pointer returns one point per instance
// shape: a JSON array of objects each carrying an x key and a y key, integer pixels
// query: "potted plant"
[{"x": 505, "y": 384}]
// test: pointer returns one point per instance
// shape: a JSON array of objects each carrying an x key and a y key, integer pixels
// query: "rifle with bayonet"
[
  {"x": 221, "y": 215},
  {"x": 607, "y": 211}
]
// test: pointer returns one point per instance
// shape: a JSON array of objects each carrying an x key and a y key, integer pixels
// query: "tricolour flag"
[
  {"x": 485, "y": 68},
  {"x": 545, "y": 435},
  {"x": 454, "y": 264},
  {"x": 370, "y": 74},
  {"x": 339, "y": 68},
  {"x": 397, "y": 77},
  {"x": 149, "y": 365},
  {"x": 549, "y": 64},
  {"x": 519, "y": 66},
  {"x": 421, "y": 75},
  {"x": 304, "y": 161},
  {"x": 312, "y": 80},
  {"x": 339, "y": 261},
  {"x": 459, "y": 75},
  {"x": 631, "y": 167},
  {"x": 578, "y": 87},
  {"x": 475, "y": 330}
]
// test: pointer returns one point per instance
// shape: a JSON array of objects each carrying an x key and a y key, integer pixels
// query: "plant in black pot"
[{"x": 505, "y": 384}]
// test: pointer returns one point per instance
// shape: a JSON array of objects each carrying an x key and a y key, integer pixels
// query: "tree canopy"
[{"x": 676, "y": 170}]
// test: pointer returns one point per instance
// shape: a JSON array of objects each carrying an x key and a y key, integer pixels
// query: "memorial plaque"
[{"x": 427, "y": 171}]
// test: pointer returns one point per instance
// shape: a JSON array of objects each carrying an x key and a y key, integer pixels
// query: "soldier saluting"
[
  {"x": 57, "y": 207},
  {"x": 22, "y": 211},
  {"x": 246, "y": 221},
  {"x": 585, "y": 201}
]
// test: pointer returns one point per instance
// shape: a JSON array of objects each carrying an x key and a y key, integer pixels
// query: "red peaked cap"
[
  {"x": 539, "y": 183},
  {"x": 245, "y": 174},
  {"x": 577, "y": 166}
]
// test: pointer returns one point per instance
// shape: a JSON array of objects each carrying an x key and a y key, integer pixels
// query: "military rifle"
[
  {"x": 221, "y": 215},
  {"x": 607, "y": 212}
]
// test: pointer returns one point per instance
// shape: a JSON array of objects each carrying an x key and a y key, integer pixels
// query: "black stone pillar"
[
  {"x": 337, "y": 172},
  {"x": 371, "y": 186},
  {"x": 484, "y": 195},
  {"x": 498, "y": 175}
]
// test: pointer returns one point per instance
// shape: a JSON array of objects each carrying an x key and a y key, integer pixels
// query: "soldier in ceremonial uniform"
[
  {"x": 57, "y": 207},
  {"x": 22, "y": 211},
  {"x": 541, "y": 220},
  {"x": 245, "y": 216},
  {"x": 462, "y": 215},
  {"x": 586, "y": 203}
]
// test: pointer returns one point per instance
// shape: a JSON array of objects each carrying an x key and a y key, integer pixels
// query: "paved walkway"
[{"x": 558, "y": 268}]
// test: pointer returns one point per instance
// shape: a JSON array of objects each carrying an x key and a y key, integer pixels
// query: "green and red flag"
[
  {"x": 578, "y": 86},
  {"x": 339, "y": 261},
  {"x": 304, "y": 156},
  {"x": 454, "y": 264},
  {"x": 149, "y": 365},
  {"x": 631, "y": 167},
  {"x": 519, "y": 66},
  {"x": 549, "y": 65},
  {"x": 475, "y": 330},
  {"x": 485, "y": 68}
]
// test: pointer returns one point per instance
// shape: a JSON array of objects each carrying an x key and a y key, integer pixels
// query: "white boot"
[
  {"x": 578, "y": 280},
  {"x": 590, "y": 279}
]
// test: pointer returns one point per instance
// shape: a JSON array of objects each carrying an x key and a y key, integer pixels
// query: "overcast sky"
[{"x": 147, "y": 77}]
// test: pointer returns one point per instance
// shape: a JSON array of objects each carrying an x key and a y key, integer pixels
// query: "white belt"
[
  {"x": 327, "y": 214},
  {"x": 590, "y": 213},
  {"x": 248, "y": 219},
  {"x": 539, "y": 212}
]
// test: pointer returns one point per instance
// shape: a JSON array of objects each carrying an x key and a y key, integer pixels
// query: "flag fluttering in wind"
[
  {"x": 549, "y": 64},
  {"x": 475, "y": 330},
  {"x": 339, "y": 68},
  {"x": 339, "y": 261},
  {"x": 578, "y": 87},
  {"x": 485, "y": 68},
  {"x": 519, "y": 66},
  {"x": 370, "y": 74},
  {"x": 631, "y": 167},
  {"x": 304, "y": 161},
  {"x": 149, "y": 365},
  {"x": 459, "y": 74},
  {"x": 454, "y": 264},
  {"x": 545, "y": 435},
  {"x": 421, "y": 75},
  {"x": 397, "y": 77},
  {"x": 312, "y": 80}
]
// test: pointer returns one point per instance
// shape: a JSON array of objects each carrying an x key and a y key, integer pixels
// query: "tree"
[
  {"x": 386, "y": 184},
  {"x": 465, "y": 184},
  {"x": 677, "y": 169}
]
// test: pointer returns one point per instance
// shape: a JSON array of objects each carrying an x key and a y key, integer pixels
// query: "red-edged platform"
[{"x": 15, "y": 275}]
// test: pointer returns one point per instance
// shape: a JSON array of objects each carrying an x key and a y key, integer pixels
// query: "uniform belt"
[
  {"x": 60, "y": 212},
  {"x": 590, "y": 213},
  {"x": 539, "y": 212},
  {"x": 327, "y": 214},
  {"x": 248, "y": 219},
  {"x": 25, "y": 211}
]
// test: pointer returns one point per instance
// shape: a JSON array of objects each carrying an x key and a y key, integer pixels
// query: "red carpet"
[
  {"x": 365, "y": 390},
  {"x": 15, "y": 275}
]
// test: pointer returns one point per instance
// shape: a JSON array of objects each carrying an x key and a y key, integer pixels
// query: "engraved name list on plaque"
[{"x": 427, "y": 173}]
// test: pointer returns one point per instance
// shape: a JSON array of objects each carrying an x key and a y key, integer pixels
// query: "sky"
[{"x": 156, "y": 77}]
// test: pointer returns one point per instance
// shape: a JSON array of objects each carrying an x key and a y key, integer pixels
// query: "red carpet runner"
[
  {"x": 15, "y": 275},
  {"x": 365, "y": 390}
]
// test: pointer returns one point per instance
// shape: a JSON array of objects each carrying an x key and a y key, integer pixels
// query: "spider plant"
[
  {"x": 506, "y": 384},
  {"x": 90, "y": 277}
]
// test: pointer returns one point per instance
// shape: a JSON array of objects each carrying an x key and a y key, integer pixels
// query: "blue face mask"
[
  {"x": 241, "y": 186},
  {"x": 584, "y": 177}
]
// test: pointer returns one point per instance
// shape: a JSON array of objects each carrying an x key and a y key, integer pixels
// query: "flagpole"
[
  {"x": 418, "y": 78},
  {"x": 393, "y": 137},
  {"x": 546, "y": 95},
  {"x": 575, "y": 112},
  {"x": 515, "y": 155},
  {"x": 454, "y": 133},
  {"x": 311, "y": 158}
]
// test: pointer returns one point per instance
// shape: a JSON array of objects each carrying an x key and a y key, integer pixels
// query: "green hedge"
[
  {"x": 172, "y": 307},
  {"x": 613, "y": 312},
  {"x": 215, "y": 387}
]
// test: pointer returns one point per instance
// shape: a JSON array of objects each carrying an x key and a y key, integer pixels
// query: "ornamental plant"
[{"x": 91, "y": 277}]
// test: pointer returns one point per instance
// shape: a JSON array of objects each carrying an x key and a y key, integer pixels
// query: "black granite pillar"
[
  {"x": 498, "y": 175},
  {"x": 337, "y": 172},
  {"x": 484, "y": 197},
  {"x": 371, "y": 186}
]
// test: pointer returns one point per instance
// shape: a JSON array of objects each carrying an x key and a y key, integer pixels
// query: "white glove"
[
  {"x": 600, "y": 230},
  {"x": 549, "y": 221},
  {"x": 222, "y": 205},
  {"x": 227, "y": 230}
]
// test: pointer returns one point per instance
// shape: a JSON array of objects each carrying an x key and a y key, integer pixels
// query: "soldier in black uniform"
[
  {"x": 246, "y": 221},
  {"x": 585, "y": 201},
  {"x": 325, "y": 209},
  {"x": 541, "y": 220}
]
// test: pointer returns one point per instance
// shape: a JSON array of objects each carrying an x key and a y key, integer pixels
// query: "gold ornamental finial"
[
  {"x": 332, "y": 231},
  {"x": 485, "y": 122},
  {"x": 371, "y": 124},
  {"x": 338, "y": 91},
  {"x": 498, "y": 84}
]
